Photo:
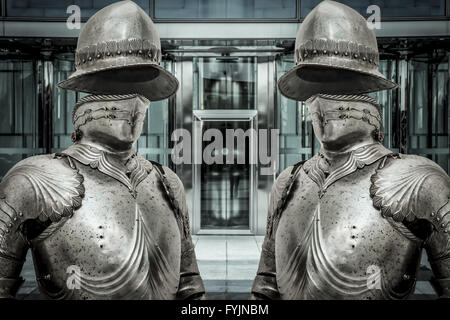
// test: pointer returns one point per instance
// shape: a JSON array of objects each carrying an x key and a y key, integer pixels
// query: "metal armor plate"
[
  {"x": 115, "y": 246},
  {"x": 336, "y": 245}
]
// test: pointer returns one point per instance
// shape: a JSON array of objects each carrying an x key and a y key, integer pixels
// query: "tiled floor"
[{"x": 228, "y": 265}]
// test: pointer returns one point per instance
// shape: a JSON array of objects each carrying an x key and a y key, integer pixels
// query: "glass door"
[{"x": 224, "y": 171}]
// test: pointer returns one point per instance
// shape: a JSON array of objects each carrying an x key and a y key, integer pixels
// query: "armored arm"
[
  {"x": 416, "y": 191},
  {"x": 13, "y": 246},
  {"x": 32, "y": 197},
  {"x": 265, "y": 283},
  {"x": 437, "y": 203},
  {"x": 191, "y": 284}
]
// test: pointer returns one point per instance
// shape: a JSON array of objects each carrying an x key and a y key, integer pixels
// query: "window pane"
[
  {"x": 225, "y": 9},
  {"x": 19, "y": 121},
  {"x": 57, "y": 8},
  {"x": 225, "y": 83},
  {"x": 389, "y": 8}
]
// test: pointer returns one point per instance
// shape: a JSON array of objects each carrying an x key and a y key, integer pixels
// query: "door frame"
[{"x": 199, "y": 117}]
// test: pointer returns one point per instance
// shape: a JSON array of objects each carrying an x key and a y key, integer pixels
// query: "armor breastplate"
[
  {"x": 332, "y": 243},
  {"x": 123, "y": 243}
]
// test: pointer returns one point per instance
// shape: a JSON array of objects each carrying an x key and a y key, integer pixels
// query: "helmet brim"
[
  {"x": 147, "y": 79},
  {"x": 305, "y": 80}
]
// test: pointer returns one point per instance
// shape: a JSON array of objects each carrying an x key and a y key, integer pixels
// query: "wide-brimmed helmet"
[
  {"x": 335, "y": 53},
  {"x": 119, "y": 52}
]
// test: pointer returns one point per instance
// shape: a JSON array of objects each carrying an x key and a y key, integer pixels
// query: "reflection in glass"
[
  {"x": 58, "y": 8},
  {"x": 63, "y": 103},
  {"x": 225, "y": 188},
  {"x": 296, "y": 132},
  {"x": 225, "y": 83},
  {"x": 428, "y": 126},
  {"x": 388, "y": 8},
  {"x": 388, "y": 102},
  {"x": 20, "y": 119},
  {"x": 225, "y": 9}
]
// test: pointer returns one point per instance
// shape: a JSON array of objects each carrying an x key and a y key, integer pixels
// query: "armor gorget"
[
  {"x": 325, "y": 168},
  {"x": 129, "y": 169}
]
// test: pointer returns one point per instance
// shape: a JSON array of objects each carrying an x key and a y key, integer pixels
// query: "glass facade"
[
  {"x": 422, "y": 128},
  {"x": 194, "y": 10},
  {"x": 225, "y": 82},
  {"x": 296, "y": 134},
  {"x": 58, "y": 9},
  {"x": 428, "y": 112},
  {"x": 388, "y": 8},
  {"x": 225, "y": 9},
  {"x": 21, "y": 129}
]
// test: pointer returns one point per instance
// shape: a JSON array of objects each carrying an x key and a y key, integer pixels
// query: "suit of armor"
[
  {"x": 352, "y": 221},
  {"x": 101, "y": 221}
]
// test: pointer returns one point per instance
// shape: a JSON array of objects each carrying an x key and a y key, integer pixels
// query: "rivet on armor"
[
  {"x": 140, "y": 51},
  {"x": 346, "y": 53},
  {"x": 325, "y": 51},
  {"x": 336, "y": 52},
  {"x": 119, "y": 52},
  {"x": 314, "y": 51},
  {"x": 108, "y": 54},
  {"x": 90, "y": 58},
  {"x": 406, "y": 277},
  {"x": 364, "y": 58},
  {"x": 432, "y": 214},
  {"x": 356, "y": 56}
]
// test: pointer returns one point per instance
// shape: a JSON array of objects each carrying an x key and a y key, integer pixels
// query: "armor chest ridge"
[{"x": 334, "y": 239}]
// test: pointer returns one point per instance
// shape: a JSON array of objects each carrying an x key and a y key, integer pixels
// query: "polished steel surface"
[
  {"x": 335, "y": 53},
  {"x": 351, "y": 222},
  {"x": 119, "y": 52},
  {"x": 102, "y": 222},
  {"x": 366, "y": 215}
]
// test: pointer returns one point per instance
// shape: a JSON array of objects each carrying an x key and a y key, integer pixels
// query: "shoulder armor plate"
[
  {"x": 45, "y": 187},
  {"x": 409, "y": 187}
]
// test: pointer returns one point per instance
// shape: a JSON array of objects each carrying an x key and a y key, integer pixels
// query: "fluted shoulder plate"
[
  {"x": 44, "y": 187},
  {"x": 409, "y": 187}
]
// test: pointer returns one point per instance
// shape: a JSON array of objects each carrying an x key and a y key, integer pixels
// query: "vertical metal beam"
[
  {"x": 403, "y": 103},
  {"x": 47, "y": 103},
  {"x": 430, "y": 72},
  {"x": 3, "y": 8},
  {"x": 299, "y": 12},
  {"x": 152, "y": 9}
]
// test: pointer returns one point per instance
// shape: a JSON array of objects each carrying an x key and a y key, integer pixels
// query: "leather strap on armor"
[
  {"x": 179, "y": 214},
  {"x": 265, "y": 284},
  {"x": 280, "y": 203},
  {"x": 191, "y": 284}
]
